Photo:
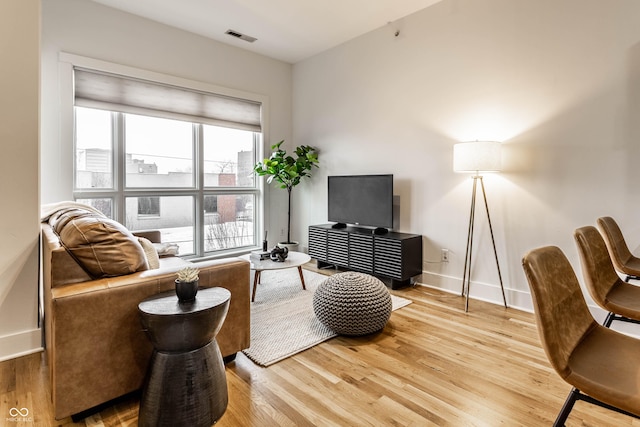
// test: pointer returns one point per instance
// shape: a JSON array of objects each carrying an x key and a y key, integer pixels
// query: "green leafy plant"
[
  {"x": 188, "y": 274},
  {"x": 287, "y": 171}
]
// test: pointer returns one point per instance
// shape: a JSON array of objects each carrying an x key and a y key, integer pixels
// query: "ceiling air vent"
[{"x": 241, "y": 36}]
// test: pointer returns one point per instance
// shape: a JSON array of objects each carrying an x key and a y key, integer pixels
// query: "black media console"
[{"x": 397, "y": 256}]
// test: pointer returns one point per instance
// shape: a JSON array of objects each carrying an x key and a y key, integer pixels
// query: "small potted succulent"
[{"x": 187, "y": 284}]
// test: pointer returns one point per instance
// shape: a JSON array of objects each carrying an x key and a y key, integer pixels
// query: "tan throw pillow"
[
  {"x": 150, "y": 253},
  {"x": 102, "y": 246}
]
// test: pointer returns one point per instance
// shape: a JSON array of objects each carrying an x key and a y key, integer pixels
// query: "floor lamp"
[{"x": 477, "y": 157}]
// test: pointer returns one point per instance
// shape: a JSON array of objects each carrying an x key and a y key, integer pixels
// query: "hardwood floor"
[{"x": 432, "y": 365}]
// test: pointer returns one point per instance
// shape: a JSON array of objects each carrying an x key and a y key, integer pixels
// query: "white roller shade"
[{"x": 114, "y": 92}]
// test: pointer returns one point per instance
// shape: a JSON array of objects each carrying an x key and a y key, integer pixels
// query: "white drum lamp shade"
[{"x": 477, "y": 156}]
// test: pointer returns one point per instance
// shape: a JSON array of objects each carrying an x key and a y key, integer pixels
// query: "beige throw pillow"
[{"x": 150, "y": 253}]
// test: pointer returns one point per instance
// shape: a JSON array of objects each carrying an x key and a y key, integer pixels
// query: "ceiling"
[{"x": 288, "y": 30}]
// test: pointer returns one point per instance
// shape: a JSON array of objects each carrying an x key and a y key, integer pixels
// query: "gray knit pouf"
[{"x": 352, "y": 303}]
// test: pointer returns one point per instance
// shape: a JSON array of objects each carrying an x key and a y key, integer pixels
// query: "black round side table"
[{"x": 186, "y": 384}]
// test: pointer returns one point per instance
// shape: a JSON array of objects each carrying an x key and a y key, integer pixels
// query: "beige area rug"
[{"x": 282, "y": 319}]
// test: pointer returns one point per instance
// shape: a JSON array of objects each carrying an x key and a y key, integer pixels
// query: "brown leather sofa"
[{"x": 96, "y": 347}]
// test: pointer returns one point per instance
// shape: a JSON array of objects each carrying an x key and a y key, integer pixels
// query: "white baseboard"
[
  {"x": 20, "y": 344},
  {"x": 516, "y": 299},
  {"x": 479, "y": 291}
]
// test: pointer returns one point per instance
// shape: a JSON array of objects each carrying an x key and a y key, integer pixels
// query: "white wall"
[
  {"x": 19, "y": 229},
  {"x": 557, "y": 81}
]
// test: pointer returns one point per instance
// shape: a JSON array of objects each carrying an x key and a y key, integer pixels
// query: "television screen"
[{"x": 361, "y": 199}]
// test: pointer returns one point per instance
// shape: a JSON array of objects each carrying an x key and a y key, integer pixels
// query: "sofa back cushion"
[{"x": 102, "y": 246}]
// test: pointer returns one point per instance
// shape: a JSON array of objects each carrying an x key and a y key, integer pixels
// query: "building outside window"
[
  {"x": 210, "y": 205},
  {"x": 190, "y": 179},
  {"x": 148, "y": 206}
]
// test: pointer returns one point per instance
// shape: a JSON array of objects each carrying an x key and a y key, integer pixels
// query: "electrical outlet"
[{"x": 445, "y": 255}]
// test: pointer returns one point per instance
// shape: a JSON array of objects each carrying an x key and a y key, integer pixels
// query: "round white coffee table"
[{"x": 294, "y": 259}]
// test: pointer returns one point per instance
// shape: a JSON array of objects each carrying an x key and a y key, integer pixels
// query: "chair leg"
[
  {"x": 567, "y": 407},
  {"x": 608, "y": 320},
  {"x": 612, "y": 316},
  {"x": 575, "y": 395}
]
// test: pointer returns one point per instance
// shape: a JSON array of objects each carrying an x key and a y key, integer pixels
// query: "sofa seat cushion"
[{"x": 102, "y": 246}]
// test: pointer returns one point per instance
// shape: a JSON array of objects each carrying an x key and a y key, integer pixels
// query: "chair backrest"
[
  {"x": 562, "y": 315},
  {"x": 597, "y": 268},
  {"x": 618, "y": 249}
]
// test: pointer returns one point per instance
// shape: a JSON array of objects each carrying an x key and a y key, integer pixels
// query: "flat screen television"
[{"x": 365, "y": 200}]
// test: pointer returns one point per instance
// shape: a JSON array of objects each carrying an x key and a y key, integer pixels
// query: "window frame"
[{"x": 119, "y": 193}]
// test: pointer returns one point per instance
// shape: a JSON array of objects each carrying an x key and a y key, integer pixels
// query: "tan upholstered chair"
[
  {"x": 601, "y": 364},
  {"x": 622, "y": 258},
  {"x": 619, "y": 298}
]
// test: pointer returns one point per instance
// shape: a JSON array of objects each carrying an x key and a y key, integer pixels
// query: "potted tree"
[{"x": 287, "y": 171}]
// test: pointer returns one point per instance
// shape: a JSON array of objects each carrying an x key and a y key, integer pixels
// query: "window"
[
  {"x": 94, "y": 149},
  {"x": 103, "y": 205},
  {"x": 188, "y": 175}
]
